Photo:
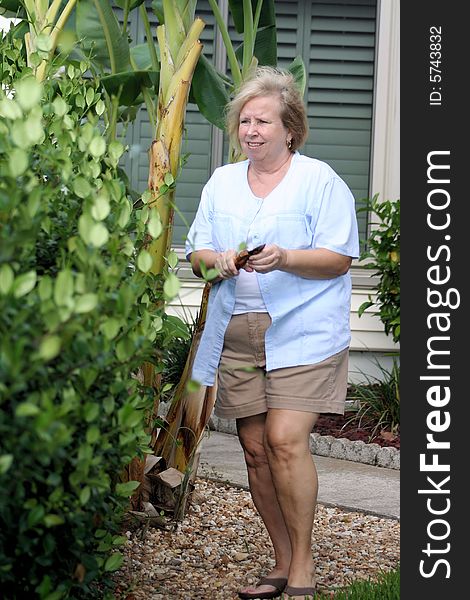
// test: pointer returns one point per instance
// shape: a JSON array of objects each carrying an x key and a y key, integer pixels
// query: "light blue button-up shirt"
[{"x": 311, "y": 207}]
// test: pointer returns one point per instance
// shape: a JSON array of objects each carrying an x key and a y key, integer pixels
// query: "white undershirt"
[{"x": 248, "y": 297}]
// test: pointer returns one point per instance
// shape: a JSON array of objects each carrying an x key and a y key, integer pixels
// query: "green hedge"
[
  {"x": 76, "y": 321},
  {"x": 382, "y": 255}
]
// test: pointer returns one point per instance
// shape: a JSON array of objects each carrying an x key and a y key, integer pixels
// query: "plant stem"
[
  {"x": 148, "y": 34},
  {"x": 256, "y": 19},
  {"x": 232, "y": 57},
  {"x": 248, "y": 38},
  {"x": 125, "y": 16},
  {"x": 147, "y": 99}
]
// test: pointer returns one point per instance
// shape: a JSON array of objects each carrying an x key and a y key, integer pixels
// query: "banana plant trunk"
[
  {"x": 178, "y": 62},
  {"x": 164, "y": 154},
  {"x": 178, "y": 441},
  {"x": 190, "y": 409}
]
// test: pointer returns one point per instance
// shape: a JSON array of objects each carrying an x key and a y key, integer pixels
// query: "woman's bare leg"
[
  {"x": 287, "y": 435},
  {"x": 251, "y": 435}
]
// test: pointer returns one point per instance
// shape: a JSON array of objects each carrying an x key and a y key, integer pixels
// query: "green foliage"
[
  {"x": 386, "y": 586},
  {"x": 382, "y": 253},
  {"x": 77, "y": 318},
  {"x": 175, "y": 346},
  {"x": 378, "y": 399}
]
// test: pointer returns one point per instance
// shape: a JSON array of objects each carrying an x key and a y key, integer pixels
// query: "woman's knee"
[
  {"x": 285, "y": 443},
  {"x": 287, "y": 433},
  {"x": 282, "y": 445},
  {"x": 255, "y": 453},
  {"x": 252, "y": 442}
]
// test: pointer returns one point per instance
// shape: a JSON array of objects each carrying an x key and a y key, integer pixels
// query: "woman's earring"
[{"x": 289, "y": 143}]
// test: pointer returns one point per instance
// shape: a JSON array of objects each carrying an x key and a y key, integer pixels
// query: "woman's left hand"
[{"x": 271, "y": 258}]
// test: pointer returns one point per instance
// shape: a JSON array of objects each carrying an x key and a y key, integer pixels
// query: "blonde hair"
[{"x": 269, "y": 81}]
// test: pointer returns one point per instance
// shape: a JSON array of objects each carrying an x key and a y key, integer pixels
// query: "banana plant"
[
  {"x": 180, "y": 49},
  {"x": 128, "y": 76}
]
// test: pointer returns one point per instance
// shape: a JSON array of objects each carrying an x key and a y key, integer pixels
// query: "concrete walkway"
[{"x": 342, "y": 483}]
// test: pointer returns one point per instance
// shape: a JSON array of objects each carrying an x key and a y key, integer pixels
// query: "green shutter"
[{"x": 336, "y": 39}]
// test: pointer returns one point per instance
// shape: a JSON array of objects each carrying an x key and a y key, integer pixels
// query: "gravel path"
[{"x": 221, "y": 546}]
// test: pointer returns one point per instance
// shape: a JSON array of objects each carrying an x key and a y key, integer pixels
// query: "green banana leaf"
[
  {"x": 98, "y": 29},
  {"x": 157, "y": 8},
  {"x": 265, "y": 46},
  {"x": 97, "y": 26},
  {"x": 267, "y": 15},
  {"x": 141, "y": 57},
  {"x": 188, "y": 11},
  {"x": 12, "y": 9},
  {"x": 209, "y": 92},
  {"x": 132, "y": 4},
  {"x": 186, "y": 8},
  {"x": 297, "y": 68},
  {"x": 128, "y": 86}
]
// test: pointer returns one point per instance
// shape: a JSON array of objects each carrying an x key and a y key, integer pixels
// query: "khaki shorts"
[{"x": 245, "y": 388}]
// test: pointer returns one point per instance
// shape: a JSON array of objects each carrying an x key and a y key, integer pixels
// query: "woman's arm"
[
  {"x": 224, "y": 262},
  {"x": 208, "y": 257},
  {"x": 319, "y": 263}
]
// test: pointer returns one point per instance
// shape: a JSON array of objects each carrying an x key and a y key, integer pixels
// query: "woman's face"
[{"x": 261, "y": 132}]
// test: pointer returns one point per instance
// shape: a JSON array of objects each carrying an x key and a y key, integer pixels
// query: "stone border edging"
[{"x": 327, "y": 445}]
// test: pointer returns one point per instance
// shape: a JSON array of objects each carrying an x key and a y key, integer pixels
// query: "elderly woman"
[{"x": 277, "y": 332}]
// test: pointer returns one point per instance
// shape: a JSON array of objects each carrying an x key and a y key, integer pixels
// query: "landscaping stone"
[
  {"x": 369, "y": 454},
  {"x": 338, "y": 448},
  {"x": 385, "y": 457},
  {"x": 221, "y": 546}
]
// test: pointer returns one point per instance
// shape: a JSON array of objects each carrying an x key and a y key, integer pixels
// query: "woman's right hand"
[{"x": 225, "y": 264}]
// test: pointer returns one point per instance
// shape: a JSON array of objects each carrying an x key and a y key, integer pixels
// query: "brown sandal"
[
  {"x": 278, "y": 583},
  {"x": 300, "y": 591}
]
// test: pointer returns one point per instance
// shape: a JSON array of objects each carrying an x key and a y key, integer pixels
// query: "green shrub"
[
  {"x": 377, "y": 400},
  {"x": 382, "y": 253},
  {"x": 76, "y": 321},
  {"x": 174, "y": 347}
]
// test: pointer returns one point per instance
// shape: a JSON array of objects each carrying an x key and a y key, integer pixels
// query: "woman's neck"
[
  {"x": 260, "y": 168},
  {"x": 263, "y": 180}
]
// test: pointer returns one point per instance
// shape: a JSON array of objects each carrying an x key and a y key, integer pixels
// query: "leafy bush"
[
  {"x": 382, "y": 252},
  {"x": 77, "y": 319},
  {"x": 174, "y": 347},
  {"x": 378, "y": 400}
]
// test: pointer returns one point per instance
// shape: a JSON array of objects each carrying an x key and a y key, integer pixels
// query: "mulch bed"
[{"x": 338, "y": 426}]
